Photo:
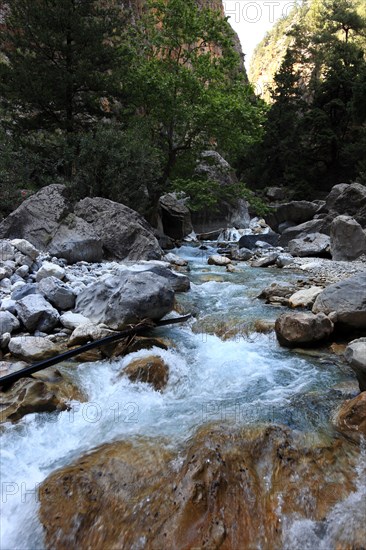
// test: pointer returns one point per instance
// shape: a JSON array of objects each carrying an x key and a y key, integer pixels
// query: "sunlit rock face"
[{"x": 226, "y": 488}]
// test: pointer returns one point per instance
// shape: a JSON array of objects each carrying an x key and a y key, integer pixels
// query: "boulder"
[
  {"x": 266, "y": 261},
  {"x": 38, "y": 217},
  {"x": 72, "y": 320},
  {"x": 302, "y": 328},
  {"x": 174, "y": 259},
  {"x": 76, "y": 240},
  {"x": 23, "y": 291},
  {"x": 8, "y": 322},
  {"x": 347, "y": 239},
  {"x": 304, "y": 229},
  {"x": 7, "y": 250},
  {"x": 306, "y": 297},
  {"x": 216, "y": 259},
  {"x": 221, "y": 491},
  {"x": 88, "y": 332},
  {"x": 351, "y": 202},
  {"x": 335, "y": 192},
  {"x": 276, "y": 193},
  {"x": 355, "y": 355},
  {"x": 126, "y": 298},
  {"x": 242, "y": 254},
  {"x": 175, "y": 216},
  {"x": 177, "y": 281},
  {"x": 314, "y": 244},
  {"x": 57, "y": 293},
  {"x": 249, "y": 241},
  {"x": 49, "y": 269},
  {"x": 29, "y": 396},
  {"x": 150, "y": 370},
  {"x": 124, "y": 234},
  {"x": 284, "y": 260},
  {"x": 296, "y": 212},
  {"x": 36, "y": 313},
  {"x": 26, "y": 248},
  {"x": 32, "y": 348},
  {"x": 348, "y": 299},
  {"x": 351, "y": 418},
  {"x": 278, "y": 292}
]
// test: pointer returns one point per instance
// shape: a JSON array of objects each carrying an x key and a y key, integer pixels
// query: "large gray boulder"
[
  {"x": 293, "y": 329},
  {"x": 38, "y": 217},
  {"x": 347, "y": 239},
  {"x": 295, "y": 212},
  {"x": 249, "y": 241},
  {"x": 304, "y": 229},
  {"x": 229, "y": 213},
  {"x": 175, "y": 216},
  {"x": 350, "y": 202},
  {"x": 57, "y": 293},
  {"x": 126, "y": 298},
  {"x": 346, "y": 298},
  {"x": 37, "y": 314},
  {"x": 31, "y": 348},
  {"x": 355, "y": 355},
  {"x": 125, "y": 235},
  {"x": 76, "y": 240},
  {"x": 335, "y": 192},
  {"x": 314, "y": 244}
]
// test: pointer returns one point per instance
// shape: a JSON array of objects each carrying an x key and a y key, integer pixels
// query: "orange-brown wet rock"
[
  {"x": 133, "y": 344},
  {"x": 48, "y": 392},
  {"x": 228, "y": 489},
  {"x": 151, "y": 370},
  {"x": 352, "y": 416}
]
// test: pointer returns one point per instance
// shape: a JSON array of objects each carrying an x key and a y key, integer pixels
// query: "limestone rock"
[
  {"x": 49, "y": 269},
  {"x": 8, "y": 322},
  {"x": 347, "y": 239},
  {"x": 302, "y": 328},
  {"x": 242, "y": 254},
  {"x": 36, "y": 313},
  {"x": 72, "y": 320},
  {"x": 26, "y": 248},
  {"x": 150, "y": 370},
  {"x": 126, "y": 298},
  {"x": 355, "y": 354},
  {"x": 348, "y": 299},
  {"x": 216, "y": 259},
  {"x": 266, "y": 260},
  {"x": 314, "y": 244},
  {"x": 351, "y": 202},
  {"x": 57, "y": 293},
  {"x": 175, "y": 216},
  {"x": 32, "y": 348},
  {"x": 306, "y": 297},
  {"x": 124, "y": 234},
  {"x": 304, "y": 229},
  {"x": 88, "y": 332}
]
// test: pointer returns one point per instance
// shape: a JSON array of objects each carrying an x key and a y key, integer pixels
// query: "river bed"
[{"x": 244, "y": 380}]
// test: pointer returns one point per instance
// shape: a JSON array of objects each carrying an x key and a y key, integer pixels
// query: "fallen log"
[{"x": 146, "y": 324}]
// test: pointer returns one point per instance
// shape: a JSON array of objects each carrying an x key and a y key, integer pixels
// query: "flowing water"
[{"x": 243, "y": 380}]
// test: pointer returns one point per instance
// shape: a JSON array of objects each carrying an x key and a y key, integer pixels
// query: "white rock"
[
  {"x": 8, "y": 322},
  {"x": 72, "y": 320},
  {"x": 16, "y": 285},
  {"x": 175, "y": 260},
  {"x": 216, "y": 259},
  {"x": 36, "y": 313},
  {"x": 7, "y": 304},
  {"x": 88, "y": 332},
  {"x": 6, "y": 251},
  {"x": 26, "y": 248},
  {"x": 22, "y": 271},
  {"x": 49, "y": 269},
  {"x": 5, "y": 272},
  {"x": 306, "y": 297},
  {"x": 32, "y": 348}
]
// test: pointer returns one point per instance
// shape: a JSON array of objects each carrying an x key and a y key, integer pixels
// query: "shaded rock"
[
  {"x": 302, "y": 328},
  {"x": 175, "y": 216},
  {"x": 88, "y": 332},
  {"x": 49, "y": 269},
  {"x": 7, "y": 250},
  {"x": 137, "y": 343},
  {"x": 8, "y": 322},
  {"x": 249, "y": 241},
  {"x": 28, "y": 396},
  {"x": 296, "y": 212},
  {"x": 222, "y": 491},
  {"x": 72, "y": 320},
  {"x": 351, "y": 202},
  {"x": 60, "y": 295},
  {"x": 150, "y": 370},
  {"x": 125, "y": 235},
  {"x": 23, "y": 291},
  {"x": 306, "y": 297},
  {"x": 242, "y": 254},
  {"x": 348, "y": 299},
  {"x": 304, "y": 229},
  {"x": 335, "y": 192},
  {"x": 355, "y": 355},
  {"x": 38, "y": 217},
  {"x": 276, "y": 193},
  {"x": 76, "y": 240},
  {"x": 284, "y": 260},
  {"x": 352, "y": 417},
  {"x": 278, "y": 292},
  {"x": 347, "y": 239},
  {"x": 216, "y": 259},
  {"x": 36, "y": 313},
  {"x": 32, "y": 348},
  {"x": 177, "y": 281},
  {"x": 314, "y": 244},
  {"x": 126, "y": 298},
  {"x": 266, "y": 261}
]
